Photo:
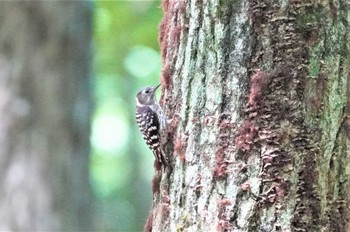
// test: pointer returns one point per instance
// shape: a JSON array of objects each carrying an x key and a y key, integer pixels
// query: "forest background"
[{"x": 126, "y": 58}]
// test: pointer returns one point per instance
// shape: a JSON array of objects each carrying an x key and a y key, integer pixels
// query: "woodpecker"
[{"x": 152, "y": 122}]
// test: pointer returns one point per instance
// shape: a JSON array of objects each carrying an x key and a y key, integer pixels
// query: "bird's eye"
[{"x": 146, "y": 91}]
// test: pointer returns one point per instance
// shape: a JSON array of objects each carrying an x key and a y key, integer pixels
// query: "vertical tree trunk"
[
  {"x": 262, "y": 88},
  {"x": 45, "y": 104}
]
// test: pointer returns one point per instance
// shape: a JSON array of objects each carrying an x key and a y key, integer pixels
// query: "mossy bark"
[{"x": 262, "y": 88}]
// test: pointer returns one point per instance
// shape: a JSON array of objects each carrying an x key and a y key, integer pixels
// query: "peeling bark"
[{"x": 262, "y": 88}]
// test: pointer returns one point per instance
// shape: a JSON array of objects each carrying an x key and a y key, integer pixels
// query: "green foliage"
[{"x": 126, "y": 58}]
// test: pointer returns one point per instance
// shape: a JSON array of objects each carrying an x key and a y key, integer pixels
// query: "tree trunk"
[
  {"x": 45, "y": 105},
  {"x": 263, "y": 144}
]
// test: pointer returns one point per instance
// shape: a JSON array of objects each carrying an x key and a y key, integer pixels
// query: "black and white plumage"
[{"x": 151, "y": 121}]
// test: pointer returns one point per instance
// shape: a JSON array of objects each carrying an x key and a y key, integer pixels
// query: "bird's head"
[{"x": 146, "y": 96}]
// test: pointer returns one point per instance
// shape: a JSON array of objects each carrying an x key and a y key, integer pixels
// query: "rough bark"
[
  {"x": 262, "y": 88},
  {"x": 45, "y": 104}
]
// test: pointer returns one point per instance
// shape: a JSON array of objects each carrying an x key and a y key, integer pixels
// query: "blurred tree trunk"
[
  {"x": 263, "y": 92},
  {"x": 45, "y": 106}
]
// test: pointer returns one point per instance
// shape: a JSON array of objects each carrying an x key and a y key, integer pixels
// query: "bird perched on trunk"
[{"x": 152, "y": 122}]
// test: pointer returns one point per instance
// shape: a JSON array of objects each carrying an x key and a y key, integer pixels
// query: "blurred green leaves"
[
  {"x": 126, "y": 59},
  {"x": 142, "y": 62}
]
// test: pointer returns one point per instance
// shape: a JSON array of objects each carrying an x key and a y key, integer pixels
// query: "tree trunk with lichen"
[
  {"x": 263, "y": 144},
  {"x": 45, "y": 105},
  {"x": 262, "y": 88}
]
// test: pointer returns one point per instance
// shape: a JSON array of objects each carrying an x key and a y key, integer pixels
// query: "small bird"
[{"x": 152, "y": 122}]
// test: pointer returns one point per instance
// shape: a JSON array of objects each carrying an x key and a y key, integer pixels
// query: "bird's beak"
[{"x": 155, "y": 88}]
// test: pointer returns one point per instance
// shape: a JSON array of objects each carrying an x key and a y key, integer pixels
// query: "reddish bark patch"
[
  {"x": 223, "y": 224},
  {"x": 246, "y": 135},
  {"x": 165, "y": 5},
  {"x": 149, "y": 223},
  {"x": 245, "y": 186},
  {"x": 164, "y": 211},
  {"x": 175, "y": 34},
  {"x": 226, "y": 146},
  {"x": 156, "y": 183},
  {"x": 180, "y": 147},
  {"x": 165, "y": 75},
  {"x": 169, "y": 36},
  {"x": 221, "y": 166},
  {"x": 157, "y": 165},
  {"x": 182, "y": 7},
  {"x": 258, "y": 83}
]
